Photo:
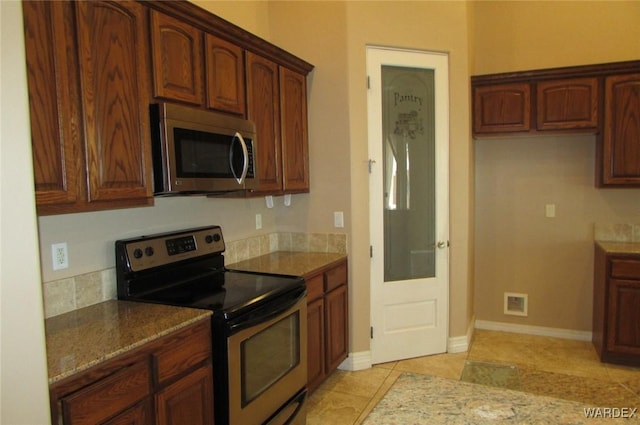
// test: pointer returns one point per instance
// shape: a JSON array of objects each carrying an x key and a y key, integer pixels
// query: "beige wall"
[
  {"x": 523, "y": 35},
  {"x": 517, "y": 248},
  {"x": 251, "y": 15},
  {"x": 24, "y": 398}
]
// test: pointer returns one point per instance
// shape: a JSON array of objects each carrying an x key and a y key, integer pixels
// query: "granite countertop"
[
  {"x": 620, "y": 247},
  {"x": 83, "y": 338},
  {"x": 289, "y": 262}
]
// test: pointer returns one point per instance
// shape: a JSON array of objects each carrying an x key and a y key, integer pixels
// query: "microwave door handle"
[{"x": 245, "y": 153}]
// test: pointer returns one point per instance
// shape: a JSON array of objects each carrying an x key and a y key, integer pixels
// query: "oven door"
[{"x": 268, "y": 369}]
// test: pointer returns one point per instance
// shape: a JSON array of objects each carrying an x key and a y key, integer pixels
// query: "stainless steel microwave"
[{"x": 198, "y": 152}]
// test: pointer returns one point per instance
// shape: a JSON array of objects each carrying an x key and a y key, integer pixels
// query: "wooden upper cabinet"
[
  {"x": 54, "y": 122},
  {"x": 87, "y": 76},
  {"x": 295, "y": 144},
  {"x": 502, "y": 108},
  {"x": 90, "y": 85},
  {"x": 620, "y": 163},
  {"x": 225, "y": 76},
  {"x": 113, "y": 69},
  {"x": 177, "y": 59},
  {"x": 264, "y": 110},
  {"x": 277, "y": 104},
  {"x": 567, "y": 104}
]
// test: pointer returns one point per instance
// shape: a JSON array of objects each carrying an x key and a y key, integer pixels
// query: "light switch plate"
[
  {"x": 338, "y": 219},
  {"x": 550, "y": 210}
]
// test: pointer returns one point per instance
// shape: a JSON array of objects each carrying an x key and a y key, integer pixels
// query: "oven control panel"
[{"x": 158, "y": 250}]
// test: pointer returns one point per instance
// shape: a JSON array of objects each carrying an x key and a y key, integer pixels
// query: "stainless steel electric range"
[{"x": 259, "y": 327}]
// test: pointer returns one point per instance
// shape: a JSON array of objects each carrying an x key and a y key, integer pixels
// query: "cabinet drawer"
[
  {"x": 335, "y": 277},
  {"x": 315, "y": 287},
  {"x": 182, "y": 352},
  {"x": 97, "y": 402},
  {"x": 626, "y": 269}
]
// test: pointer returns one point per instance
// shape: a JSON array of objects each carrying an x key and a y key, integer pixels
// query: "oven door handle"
[{"x": 267, "y": 312}]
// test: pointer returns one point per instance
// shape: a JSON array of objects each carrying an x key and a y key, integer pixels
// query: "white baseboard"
[
  {"x": 534, "y": 330},
  {"x": 460, "y": 344},
  {"x": 362, "y": 360},
  {"x": 357, "y": 361}
]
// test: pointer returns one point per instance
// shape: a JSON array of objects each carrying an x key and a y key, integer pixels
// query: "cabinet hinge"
[
  {"x": 368, "y": 82},
  {"x": 370, "y": 251},
  {"x": 371, "y": 332}
]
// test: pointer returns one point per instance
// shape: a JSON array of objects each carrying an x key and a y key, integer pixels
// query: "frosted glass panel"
[{"x": 409, "y": 172}]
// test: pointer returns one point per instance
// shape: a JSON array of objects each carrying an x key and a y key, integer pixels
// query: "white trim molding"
[
  {"x": 461, "y": 344},
  {"x": 357, "y": 361},
  {"x": 534, "y": 330}
]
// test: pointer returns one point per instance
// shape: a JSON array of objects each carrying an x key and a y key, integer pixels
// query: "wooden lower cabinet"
[
  {"x": 168, "y": 381},
  {"x": 616, "y": 307},
  {"x": 188, "y": 400},
  {"x": 316, "y": 371},
  {"x": 336, "y": 330},
  {"x": 137, "y": 415},
  {"x": 327, "y": 322},
  {"x": 105, "y": 398}
]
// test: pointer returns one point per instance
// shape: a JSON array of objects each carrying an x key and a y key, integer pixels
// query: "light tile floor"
[{"x": 552, "y": 367}]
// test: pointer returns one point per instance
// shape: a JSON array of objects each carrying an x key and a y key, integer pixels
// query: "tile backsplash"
[
  {"x": 629, "y": 232},
  {"x": 64, "y": 295}
]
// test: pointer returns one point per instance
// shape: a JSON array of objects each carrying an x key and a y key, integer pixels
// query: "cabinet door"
[
  {"x": 225, "y": 76},
  {"x": 55, "y": 134},
  {"x": 315, "y": 344},
  {"x": 623, "y": 327},
  {"x": 336, "y": 310},
  {"x": 113, "y": 67},
  {"x": 188, "y": 400},
  {"x": 621, "y": 143},
  {"x": 295, "y": 144},
  {"x": 264, "y": 111},
  {"x": 177, "y": 59},
  {"x": 567, "y": 104},
  {"x": 137, "y": 415},
  {"x": 502, "y": 108}
]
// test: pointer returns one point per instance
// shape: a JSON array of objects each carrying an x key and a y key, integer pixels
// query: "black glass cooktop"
[{"x": 226, "y": 291}]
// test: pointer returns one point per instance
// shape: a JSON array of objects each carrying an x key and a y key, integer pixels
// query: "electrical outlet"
[{"x": 60, "y": 256}]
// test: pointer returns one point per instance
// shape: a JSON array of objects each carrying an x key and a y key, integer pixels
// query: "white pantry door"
[{"x": 408, "y": 122}]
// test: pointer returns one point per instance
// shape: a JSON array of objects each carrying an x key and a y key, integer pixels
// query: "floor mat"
[{"x": 493, "y": 374}]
